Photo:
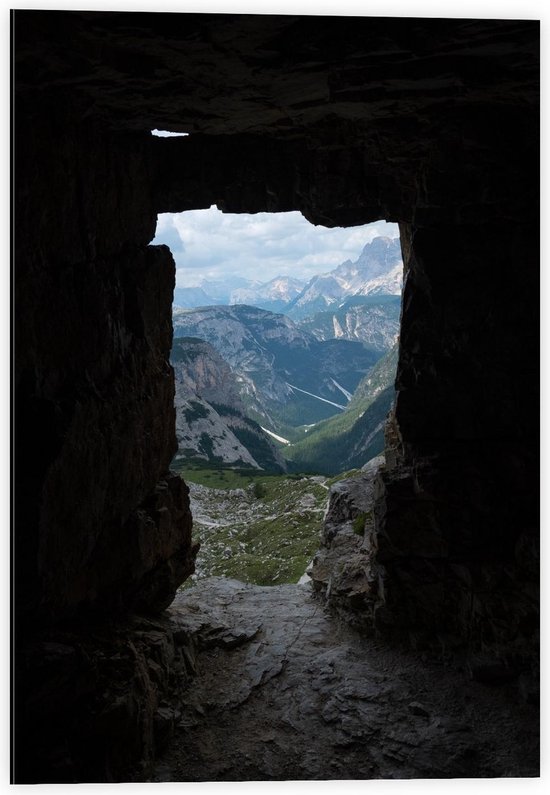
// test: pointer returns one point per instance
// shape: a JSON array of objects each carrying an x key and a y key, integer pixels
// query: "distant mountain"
[
  {"x": 286, "y": 377},
  {"x": 273, "y": 295},
  {"x": 372, "y": 319},
  {"x": 378, "y": 271},
  {"x": 351, "y": 439},
  {"x": 316, "y": 378},
  {"x": 211, "y": 424},
  {"x": 188, "y": 297}
]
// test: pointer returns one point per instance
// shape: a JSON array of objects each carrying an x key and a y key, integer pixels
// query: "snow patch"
[
  {"x": 297, "y": 388},
  {"x": 279, "y": 438},
  {"x": 341, "y": 388}
]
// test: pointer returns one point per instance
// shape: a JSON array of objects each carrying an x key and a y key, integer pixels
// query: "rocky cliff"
[
  {"x": 377, "y": 271},
  {"x": 373, "y": 321},
  {"x": 211, "y": 423}
]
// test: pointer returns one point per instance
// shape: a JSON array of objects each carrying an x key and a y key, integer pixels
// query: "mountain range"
[
  {"x": 274, "y": 295},
  {"x": 283, "y": 367},
  {"x": 286, "y": 376},
  {"x": 377, "y": 271}
]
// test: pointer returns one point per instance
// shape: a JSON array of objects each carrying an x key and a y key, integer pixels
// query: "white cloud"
[{"x": 209, "y": 244}]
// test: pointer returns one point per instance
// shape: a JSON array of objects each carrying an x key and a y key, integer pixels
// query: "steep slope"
[
  {"x": 285, "y": 375},
  {"x": 211, "y": 425},
  {"x": 349, "y": 440},
  {"x": 343, "y": 445},
  {"x": 372, "y": 319},
  {"x": 377, "y": 271},
  {"x": 377, "y": 380}
]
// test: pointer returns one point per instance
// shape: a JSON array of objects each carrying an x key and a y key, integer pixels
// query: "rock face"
[
  {"x": 345, "y": 569},
  {"x": 373, "y": 321},
  {"x": 378, "y": 271},
  {"x": 432, "y": 123},
  {"x": 200, "y": 370},
  {"x": 94, "y": 391},
  {"x": 211, "y": 424},
  {"x": 104, "y": 702},
  {"x": 454, "y": 517}
]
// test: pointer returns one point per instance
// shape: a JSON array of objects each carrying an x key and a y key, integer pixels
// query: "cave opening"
[
  {"x": 168, "y": 134},
  {"x": 299, "y": 327}
]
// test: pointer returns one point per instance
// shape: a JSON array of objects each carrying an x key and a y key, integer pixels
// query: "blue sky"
[{"x": 209, "y": 244}]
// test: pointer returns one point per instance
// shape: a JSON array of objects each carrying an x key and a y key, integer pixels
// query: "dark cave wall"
[
  {"x": 102, "y": 528},
  {"x": 457, "y": 515},
  {"x": 94, "y": 389}
]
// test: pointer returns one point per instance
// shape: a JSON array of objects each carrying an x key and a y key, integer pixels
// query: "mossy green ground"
[
  {"x": 265, "y": 540},
  {"x": 219, "y": 478}
]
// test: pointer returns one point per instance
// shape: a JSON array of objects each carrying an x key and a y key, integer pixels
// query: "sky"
[{"x": 211, "y": 245}]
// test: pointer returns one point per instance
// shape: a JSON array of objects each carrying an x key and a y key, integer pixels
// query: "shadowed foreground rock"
[
  {"x": 344, "y": 570},
  {"x": 283, "y": 691}
]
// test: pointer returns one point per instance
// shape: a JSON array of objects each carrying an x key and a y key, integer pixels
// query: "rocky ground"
[
  {"x": 286, "y": 684},
  {"x": 283, "y": 690},
  {"x": 265, "y": 533}
]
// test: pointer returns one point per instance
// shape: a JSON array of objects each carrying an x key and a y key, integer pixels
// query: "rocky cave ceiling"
[{"x": 382, "y": 100}]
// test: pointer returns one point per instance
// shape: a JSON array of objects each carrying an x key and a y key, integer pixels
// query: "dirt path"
[{"x": 283, "y": 691}]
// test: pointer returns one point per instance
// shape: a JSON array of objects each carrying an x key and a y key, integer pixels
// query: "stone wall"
[
  {"x": 99, "y": 701},
  {"x": 94, "y": 388},
  {"x": 102, "y": 527},
  {"x": 457, "y": 516}
]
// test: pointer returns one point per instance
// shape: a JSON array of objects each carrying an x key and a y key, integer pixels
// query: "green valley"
[
  {"x": 351, "y": 438},
  {"x": 261, "y": 529}
]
